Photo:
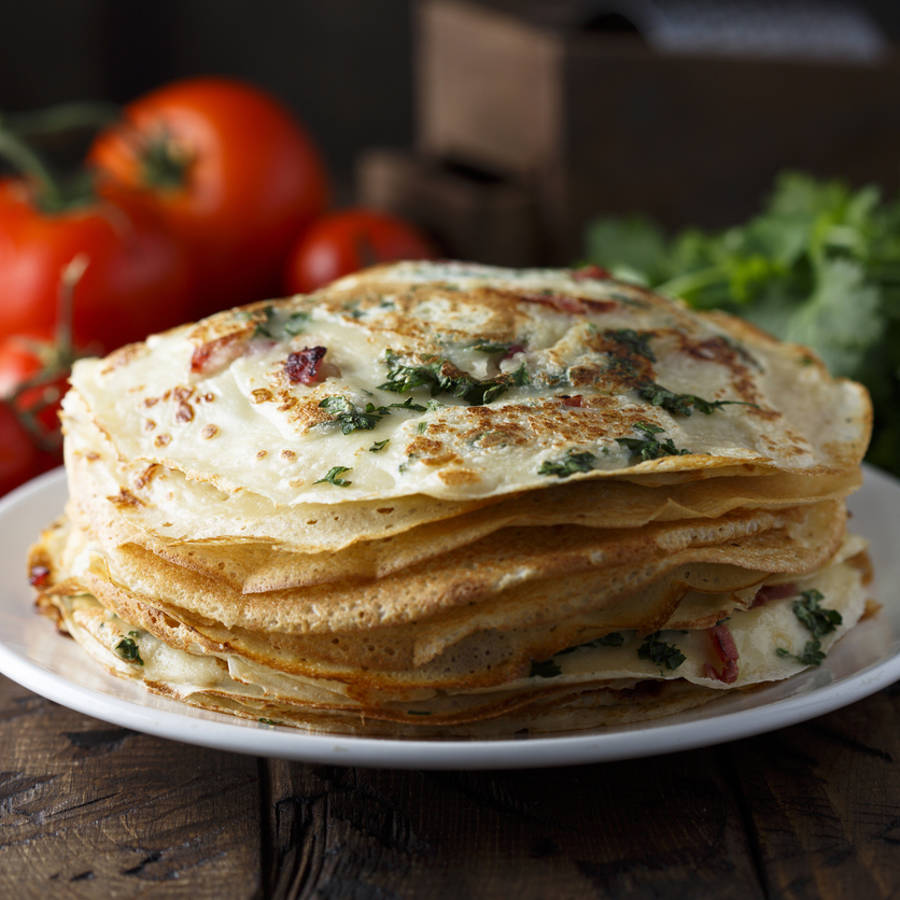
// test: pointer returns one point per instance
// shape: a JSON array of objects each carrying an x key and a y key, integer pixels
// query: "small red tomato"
[
  {"x": 347, "y": 241},
  {"x": 18, "y": 455},
  {"x": 36, "y": 381},
  {"x": 230, "y": 169},
  {"x": 137, "y": 277}
]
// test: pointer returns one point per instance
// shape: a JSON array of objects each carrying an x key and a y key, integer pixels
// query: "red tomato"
[
  {"x": 20, "y": 361},
  {"x": 347, "y": 241},
  {"x": 18, "y": 456},
  {"x": 233, "y": 173},
  {"x": 137, "y": 278}
]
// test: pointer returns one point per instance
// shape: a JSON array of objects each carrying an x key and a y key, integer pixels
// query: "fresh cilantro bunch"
[{"x": 819, "y": 265}]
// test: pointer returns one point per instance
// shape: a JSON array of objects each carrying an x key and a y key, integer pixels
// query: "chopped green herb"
[
  {"x": 408, "y": 404},
  {"x": 418, "y": 712},
  {"x": 660, "y": 653},
  {"x": 681, "y": 404},
  {"x": 571, "y": 463},
  {"x": 544, "y": 669},
  {"x": 127, "y": 648},
  {"x": 441, "y": 377},
  {"x": 811, "y": 655},
  {"x": 268, "y": 722},
  {"x": 334, "y": 477},
  {"x": 638, "y": 342},
  {"x": 422, "y": 427},
  {"x": 650, "y": 447},
  {"x": 274, "y": 326},
  {"x": 351, "y": 418},
  {"x": 818, "y": 621},
  {"x": 379, "y": 445}
]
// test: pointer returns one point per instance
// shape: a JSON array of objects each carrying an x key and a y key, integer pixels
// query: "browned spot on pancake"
[
  {"x": 91, "y": 456},
  {"x": 262, "y": 454},
  {"x": 385, "y": 510},
  {"x": 123, "y": 356},
  {"x": 261, "y": 395},
  {"x": 163, "y": 440},
  {"x": 149, "y": 425},
  {"x": 185, "y": 412},
  {"x": 288, "y": 455},
  {"x": 454, "y": 477},
  {"x": 145, "y": 477},
  {"x": 150, "y": 401},
  {"x": 124, "y": 499},
  {"x": 210, "y": 431}
]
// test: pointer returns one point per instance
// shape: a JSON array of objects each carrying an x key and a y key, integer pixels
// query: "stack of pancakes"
[{"x": 439, "y": 498}]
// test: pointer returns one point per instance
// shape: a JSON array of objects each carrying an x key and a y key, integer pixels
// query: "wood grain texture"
[
  {"x": 91, "y": 810},
  {"x": 665, "y": 828},
  {"x": 824, "y": 801}
]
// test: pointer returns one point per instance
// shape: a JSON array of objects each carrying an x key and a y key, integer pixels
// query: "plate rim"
[{"x": 247, "y": 737}]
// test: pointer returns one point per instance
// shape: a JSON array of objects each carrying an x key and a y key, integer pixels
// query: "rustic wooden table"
[{"x": 91, "y": 810}]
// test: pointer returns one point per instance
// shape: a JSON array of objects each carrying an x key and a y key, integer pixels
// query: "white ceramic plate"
[{"x": 33, "y": 654}]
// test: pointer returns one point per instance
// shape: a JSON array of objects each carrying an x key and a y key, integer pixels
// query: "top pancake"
[{"x": 513, "y": 379}]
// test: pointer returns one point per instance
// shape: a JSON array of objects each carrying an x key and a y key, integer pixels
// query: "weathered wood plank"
[
  {"x": 666, "y": 827},
  {"x": 91, "y": 810},
  {"x": 824, "y": 801}
]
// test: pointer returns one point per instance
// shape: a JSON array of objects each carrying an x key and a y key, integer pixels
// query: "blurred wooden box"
[{"x": 593, "y": 123}]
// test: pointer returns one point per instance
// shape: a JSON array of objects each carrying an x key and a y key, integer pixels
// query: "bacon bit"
[
  {"x": 513, "y": 350},
  {"x": 39, "y": 576},
  {"x": 577, "y": 400},
  {"x": 726, "y": 650},
  {"x": 185, "y": 412},
  {"x": 302, "y": 367},
  {"x": 590, "y": 273},
  {"x": 213, "y": 356},
  {"x": 773, "y": 592}
]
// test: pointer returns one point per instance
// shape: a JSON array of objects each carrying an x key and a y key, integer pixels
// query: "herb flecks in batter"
[
  {"x": 127, "y": 648},
  {"x": 681, "y": 404},
  {"x": 818, "y": 621},
  {"x": 636, "y": 342},
  {"x": 574, "y": 461},
  {"x": 660, "y": 653},
  {"x": 649, "y": 446},
  {"x": 349, "y": 417},
  {"x": 334, "y": 477},
  {"x": 440, "y": 376}
]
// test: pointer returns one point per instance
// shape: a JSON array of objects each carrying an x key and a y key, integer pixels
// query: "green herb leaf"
[
  {"x": 408, "y": 403},
  {"x": 334, "y": 477},
  {"x": 660, "y": 653},
  {"x": 818, "y": 621},
  {"x": 571, "y": 463},
  {"x": 636, "y": 342},
  {"x": 379, "y": 445},
  {"x": 492, "y": 346},
  {"x": 127, "y": 648},
  {"x": 613, "y": 639},
  {"x": 440, "y": 376},
  {"x": 349, "y": 417},
  {"x": 649, "y": 447},
  {"x": 681, "y": 404}
]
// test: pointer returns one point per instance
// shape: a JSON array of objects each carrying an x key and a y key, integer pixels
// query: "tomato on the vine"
[
  {"x": 19, "y": 458},
  {"x": 138, "y": 277},
  {"x": 230, "y": 169},
  {"x": 350, "y": 240}
]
